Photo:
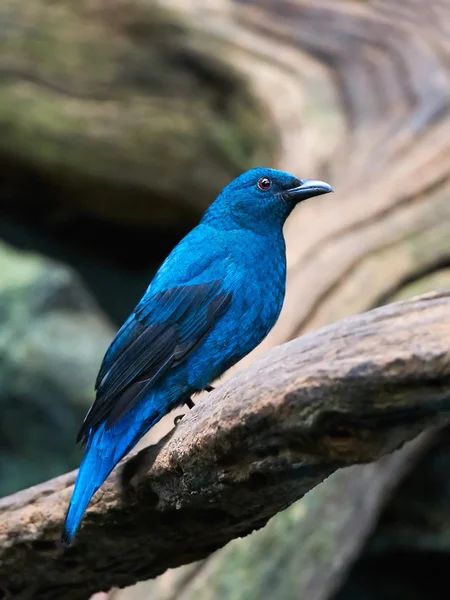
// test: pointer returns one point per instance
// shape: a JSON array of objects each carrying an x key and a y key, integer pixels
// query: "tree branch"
[{"x": 348, "y": 393}]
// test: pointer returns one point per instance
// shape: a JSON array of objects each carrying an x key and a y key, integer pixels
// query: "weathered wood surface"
[
  {"x": 118, "y": 111},
  {"x": 348, "y": 393}
]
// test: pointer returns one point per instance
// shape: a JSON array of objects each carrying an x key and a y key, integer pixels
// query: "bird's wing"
[{"x": 160, "y": 334}]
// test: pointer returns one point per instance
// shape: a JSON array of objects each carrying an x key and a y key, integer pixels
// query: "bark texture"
[
  {"x": 119, "y": 111},
  {"x": 348, "y": 393}
]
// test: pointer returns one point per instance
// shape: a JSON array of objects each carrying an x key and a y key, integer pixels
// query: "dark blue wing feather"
[{"x": 159, "y": 335}]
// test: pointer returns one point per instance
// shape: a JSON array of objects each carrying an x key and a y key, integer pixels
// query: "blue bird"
[{"x": 214, "y": 299}]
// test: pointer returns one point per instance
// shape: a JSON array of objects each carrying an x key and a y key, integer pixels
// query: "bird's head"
[{"x": 261, "y": 199}]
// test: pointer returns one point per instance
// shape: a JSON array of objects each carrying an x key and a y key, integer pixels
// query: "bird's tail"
[
  {"x": 104, "y": 449},
  {"x": 94, "y": 469}
]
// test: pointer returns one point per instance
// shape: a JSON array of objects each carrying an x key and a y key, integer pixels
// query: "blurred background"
[{"x": 120, "y": 120}]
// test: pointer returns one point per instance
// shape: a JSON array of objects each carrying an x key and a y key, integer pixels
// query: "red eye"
[{"x": 264, "y": 183}]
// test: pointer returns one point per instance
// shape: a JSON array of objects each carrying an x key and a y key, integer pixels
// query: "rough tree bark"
[
  {"x": 348, "y": 393},
  {"x": 119, "y": 111}
]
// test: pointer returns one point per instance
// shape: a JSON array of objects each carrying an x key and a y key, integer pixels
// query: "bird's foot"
[
  {"x": 190, "y": 404},
  {"x": 177, "y": 420}
]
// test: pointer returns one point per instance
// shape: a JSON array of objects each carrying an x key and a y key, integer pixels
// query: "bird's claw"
[{"x": 177, "y": 419}]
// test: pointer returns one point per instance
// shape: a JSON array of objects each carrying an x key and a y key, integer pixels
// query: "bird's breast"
[
  {"x": 259, "y": 299},
  {"x": 256, "y": 279}
]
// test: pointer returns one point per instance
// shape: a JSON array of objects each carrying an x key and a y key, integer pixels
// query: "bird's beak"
[{"x": 308, "y": 188}]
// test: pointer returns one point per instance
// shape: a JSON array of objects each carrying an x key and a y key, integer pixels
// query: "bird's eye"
[{"x": 264, "y": 183}]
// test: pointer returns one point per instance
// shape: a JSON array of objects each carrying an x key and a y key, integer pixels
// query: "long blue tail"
[
  {"x": 104, "y": 449},
  {"x": 95, "y": 467}
]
